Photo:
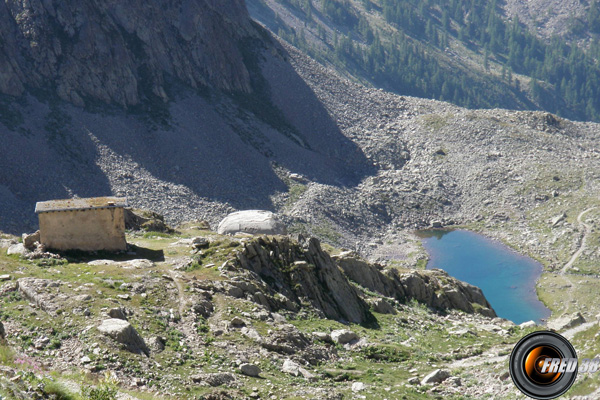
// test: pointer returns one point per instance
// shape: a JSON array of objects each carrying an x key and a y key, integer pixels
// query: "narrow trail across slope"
[
  {"x": 570, "y": 333},
  {"x": 482, "y": 359},
  {"x": 181, "y": 296},
  {"x": 582, "y": 246}
]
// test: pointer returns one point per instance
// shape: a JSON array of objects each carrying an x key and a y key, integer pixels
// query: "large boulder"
[
  {"x": 250, "y": 370},
  {"x": 343, "y": 336},
  {"x": 124, "y": 333},
  {"x": 294, "y": 369},
  {"x": 255, "y": 222},
  {"x": 117, "y": 313},
  {"x": 17, "y": 249},
  {"x": 437, "y": 376}
]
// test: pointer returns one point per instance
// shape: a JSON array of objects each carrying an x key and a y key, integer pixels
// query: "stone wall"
[{"x": 88, "y": 230}]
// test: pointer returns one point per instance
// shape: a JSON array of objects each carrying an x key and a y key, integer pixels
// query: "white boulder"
[{"x": 255, "y": 222}]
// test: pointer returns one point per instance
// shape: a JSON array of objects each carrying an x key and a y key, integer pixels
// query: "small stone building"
[{"x": 96, "y": 223}]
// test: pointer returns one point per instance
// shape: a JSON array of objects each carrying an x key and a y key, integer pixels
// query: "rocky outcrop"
[
  {"x": 304, "y": 273},
  {"x": 255, "y": 222},
  {"x": 292, "y": 274},
  {"x": 121, "y": 52},
  {"x": 17, "y": 249},
  {"x": 433, "y": 287}
]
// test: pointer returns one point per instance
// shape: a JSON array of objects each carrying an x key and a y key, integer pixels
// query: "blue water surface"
[{"x": 506, "y": 277}]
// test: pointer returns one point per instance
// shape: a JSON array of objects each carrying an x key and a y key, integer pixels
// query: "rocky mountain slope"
[{"x": 354, "y": 166}]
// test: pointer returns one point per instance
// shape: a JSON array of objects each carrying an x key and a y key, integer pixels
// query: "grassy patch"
[
  {"x": 153, "y": 234},
  {"x": 386, "y": 353},
  {"x": 7, "y": 356},
  {"x": 296, "y": 190},
  {"x": 60, "y": 392},
  {"x": 435, "y": 122}
]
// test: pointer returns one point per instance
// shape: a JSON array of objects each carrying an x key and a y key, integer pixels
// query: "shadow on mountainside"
[
  {"x": 41, "y": 159},
  {"x": 223, "y": 146},
  {"x": 217, "y": 147}
]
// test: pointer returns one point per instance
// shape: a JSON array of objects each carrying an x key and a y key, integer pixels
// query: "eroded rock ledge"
[{"x": 303, "y": 273}]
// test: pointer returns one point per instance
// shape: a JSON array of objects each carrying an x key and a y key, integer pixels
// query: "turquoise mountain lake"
[{"x": 506, "y": 277}]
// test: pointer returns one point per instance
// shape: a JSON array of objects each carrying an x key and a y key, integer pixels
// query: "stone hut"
[{"x": 96, "y": 223}]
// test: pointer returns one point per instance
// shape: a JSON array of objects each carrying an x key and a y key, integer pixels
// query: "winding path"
[
  {"x": 575, "y": 256},
  {"x": 570, "y": 333},
  {"x": 586, "y": 232}
]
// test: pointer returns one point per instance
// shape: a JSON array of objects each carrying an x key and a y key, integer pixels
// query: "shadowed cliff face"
[{"x": 121, "y": 52}]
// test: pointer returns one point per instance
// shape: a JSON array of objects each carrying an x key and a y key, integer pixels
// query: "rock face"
[
  {"x": 304, "y": 272},
  {"x": 255, "y": 222},
  {"x": 124, "y": 333},
  {"x": 433, "y": 287},
  {"x": 109, "y": 51}
]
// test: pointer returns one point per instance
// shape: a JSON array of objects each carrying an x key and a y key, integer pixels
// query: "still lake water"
[{"x": 506, "y": 277}]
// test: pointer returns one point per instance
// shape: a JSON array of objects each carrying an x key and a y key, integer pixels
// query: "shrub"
[
  {"x": 104, "y": 391},
  {"x": 58, "y": 391}
]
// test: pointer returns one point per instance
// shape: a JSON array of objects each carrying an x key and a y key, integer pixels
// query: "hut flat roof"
[{"x": 80, "y": 204}]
